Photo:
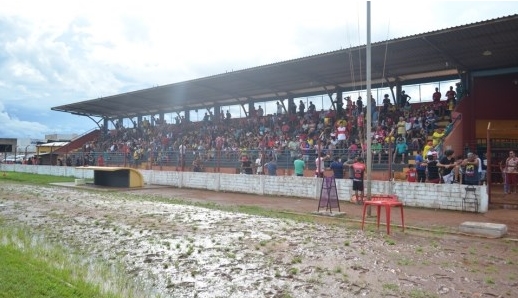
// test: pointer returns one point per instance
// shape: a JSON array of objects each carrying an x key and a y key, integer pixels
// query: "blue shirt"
[
  {"x": 418, "y": 160},
  {"x": 272, "y": 168},
  {"x": 338, "y": 169}
]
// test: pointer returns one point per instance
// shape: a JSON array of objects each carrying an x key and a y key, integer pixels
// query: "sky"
[{"x": 61, "y": 52}]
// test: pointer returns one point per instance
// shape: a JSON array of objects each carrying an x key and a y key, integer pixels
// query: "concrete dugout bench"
[{"x": 116, "y": 176}]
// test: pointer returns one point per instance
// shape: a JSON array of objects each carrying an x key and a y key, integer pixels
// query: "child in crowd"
[{"x": 411, "y": 173}]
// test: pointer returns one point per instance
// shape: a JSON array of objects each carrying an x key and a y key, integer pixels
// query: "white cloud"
[
  {"x": 13, "y": 127},
  {"x": 57, "y": 52}
]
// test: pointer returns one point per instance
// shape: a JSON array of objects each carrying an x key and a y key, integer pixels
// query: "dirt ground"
[{"x": 188, "y": 251}]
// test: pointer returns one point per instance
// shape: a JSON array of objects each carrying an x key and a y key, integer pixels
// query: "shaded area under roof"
[{"x": 431, "y": 56}]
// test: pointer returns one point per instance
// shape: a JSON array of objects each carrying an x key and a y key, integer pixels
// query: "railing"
[
  {"x": 173, "y": 160},
  {"x": 447, "y": 130}
]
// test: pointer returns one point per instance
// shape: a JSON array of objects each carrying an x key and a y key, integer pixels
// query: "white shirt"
[{"x": 319, "y": 160}]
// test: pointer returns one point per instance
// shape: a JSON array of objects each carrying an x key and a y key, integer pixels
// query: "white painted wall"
[{"x": 424, "y": 195}]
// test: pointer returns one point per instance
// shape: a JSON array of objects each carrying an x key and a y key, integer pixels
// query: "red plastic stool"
[{"x": 388, "y": 204}]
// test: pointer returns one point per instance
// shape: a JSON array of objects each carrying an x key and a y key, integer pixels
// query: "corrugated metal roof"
[{"x": 427, "y": 56}]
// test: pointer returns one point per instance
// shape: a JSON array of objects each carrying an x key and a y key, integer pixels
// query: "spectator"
[
  {"x": 451, "y": 96},
  {"x": 470, "y": 171},
  {"x": 271, "y": 166},
  {"x": 302, "y": 109},
  {"x": 386, "y": 104},
  {"x": 401, "y": 149},
  {"x": 437, "y": 104},
  {"x": 358, "y": 174},
  {"x": 260, "y": 112},
  {"x": 299, "y": 166},
  {"x": 246, "y": 165},
  {"x": 279, "y": 108},
  {"x": 411, "y": 173},
  {"x": 404, "y": 99},
  {"x": 312, "y": 109},
  {"x": 337, "y": 167},
  {"x": 376, "y": 149},
  {"x": 259, "y": 164},
  {"x": 447, "y": 163},
  {"x": 433, "y": 170},
  {"x": 437, "y": 136},
  {"x": 420, "y": 166},
  {"x": 320, "y": 165},
  {"x": 359, "y": 105},
  {"x": 511, "y": 171}
]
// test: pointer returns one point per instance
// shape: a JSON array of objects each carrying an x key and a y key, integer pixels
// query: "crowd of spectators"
[{"x": 397, "y": 130}]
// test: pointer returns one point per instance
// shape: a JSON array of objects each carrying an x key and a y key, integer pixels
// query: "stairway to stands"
[
  {"x": 78, "y": 142},
  {"x": 441, "y": 122}
]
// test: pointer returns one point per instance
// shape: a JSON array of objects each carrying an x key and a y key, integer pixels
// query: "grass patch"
[
  {"x": 30, "y": 266},
  {"x": 24, "y": 275},
  {"x": 33, "y": 178}
]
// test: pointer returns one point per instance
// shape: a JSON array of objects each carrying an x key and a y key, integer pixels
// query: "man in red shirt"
[
  {"x": 358, "y": 173},
  {"x": 450, "y": 95}
]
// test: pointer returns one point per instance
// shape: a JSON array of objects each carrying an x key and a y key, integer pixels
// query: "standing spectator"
[
  {"x": 401, "y": 127},
  {"x": 299, "y": 166},
  {"x": 433, "y": 170},
  {"x": 260, "y": 112},
  {"x": 437, "y": 105},
  {"x": 358, "y": 174},
  {"x": 511, "y": 171},
  {"x": 411, "y": 173},
  {"x": 479, "y": 169},
  {"x": 246, "y": 165},
  {"x": 483, "y": 174},
  {"x": 386, "y": 103},
  {"x": 259, "y": 164},
  {"x": 182, "y": 149},
  {"x": 320, "y": 165},
  {"x": 302, "y": 109},
  {"x": 470, "y": 172},
  {"x": 451, "y": 96},
  {"x": 337, "y": 167},
  {"x": 427, "y": 148},
  {"x": 312, "y": 109},
  {"x": 271, "y": 166},
  {"x": 279, "y": 108},
  {"x": 420, "y": 166},
  {"x": 503, "y": 170},
  {"x": 404, "y": 99},
  {"x": 437, "y": 136},
  {"x": 359, "y": 105},
  {"x": 448, "y": 164},
  {"x": 293, "y": 147},
  {"x": 401, "y": 149}
]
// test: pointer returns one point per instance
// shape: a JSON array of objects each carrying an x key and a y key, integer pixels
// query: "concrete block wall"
[{"x": 423, "y": 195}]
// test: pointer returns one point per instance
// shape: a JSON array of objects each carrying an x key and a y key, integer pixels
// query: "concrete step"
[{"x": 484, "y": 229}]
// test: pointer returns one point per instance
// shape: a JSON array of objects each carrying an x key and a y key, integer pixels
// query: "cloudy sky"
[{"x": 59, "y": 52}]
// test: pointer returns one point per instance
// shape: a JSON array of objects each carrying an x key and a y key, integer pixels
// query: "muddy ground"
[{"x": 187, "y": 251}]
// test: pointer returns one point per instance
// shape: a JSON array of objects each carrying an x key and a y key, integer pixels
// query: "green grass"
[
  {"x": 33, "y": 178},
  {"x": 22, "y": 275},
  {"x": 30, "y": 266}
]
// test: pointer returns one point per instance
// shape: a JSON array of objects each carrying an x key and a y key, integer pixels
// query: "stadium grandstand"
[{"x": 307, "y": 106}]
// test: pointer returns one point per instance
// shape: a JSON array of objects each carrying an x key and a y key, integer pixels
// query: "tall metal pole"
[
  {"x": 369, "y": 107},
  {"x": 369, "y": 103}
]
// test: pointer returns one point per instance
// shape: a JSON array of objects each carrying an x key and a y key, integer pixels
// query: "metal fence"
[{"x": 229, "y": 159}]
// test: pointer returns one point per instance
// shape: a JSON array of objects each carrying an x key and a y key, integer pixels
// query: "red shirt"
[
  {"x": 411, "y": 175},
  {"x": 358, "y": 171}
]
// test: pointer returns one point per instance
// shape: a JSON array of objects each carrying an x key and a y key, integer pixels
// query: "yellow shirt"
[
  {"x": 426, "y": 149},
  {"x": 436, "y": 138}
]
